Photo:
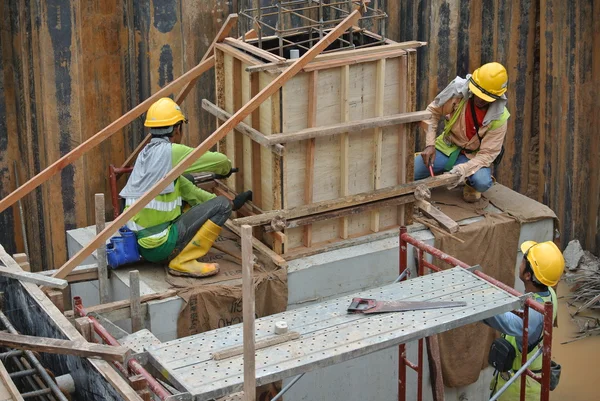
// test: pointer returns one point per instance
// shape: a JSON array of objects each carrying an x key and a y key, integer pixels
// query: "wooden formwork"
[{"x": 336, "y": 88}]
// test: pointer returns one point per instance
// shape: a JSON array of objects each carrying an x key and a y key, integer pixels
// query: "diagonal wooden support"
[
  {"x": 446, "y": 222},
  {"x": 66, "y": 347},
  {"x": 13, "y": 270},
  {"x": 212, "y": 140}
]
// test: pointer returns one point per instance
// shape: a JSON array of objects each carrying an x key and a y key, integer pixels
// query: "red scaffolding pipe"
[
  {"x": 133, "y": 364},
  {"x": 546, "y": 309}
]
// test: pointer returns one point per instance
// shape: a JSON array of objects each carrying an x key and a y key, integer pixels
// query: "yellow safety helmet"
[
  {"x": 489, "y": 81},
  {"x": 546, "y": 260},
  {"x": 164, "y": 113}
]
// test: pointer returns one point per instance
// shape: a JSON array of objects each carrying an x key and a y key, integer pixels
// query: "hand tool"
[
  {"x": 199, "y": 178},
  {"x": 431, "y": 170},
  {"x": 368, "y": 306}
]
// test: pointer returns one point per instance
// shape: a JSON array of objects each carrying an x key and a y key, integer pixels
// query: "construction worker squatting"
[
  {"x": 475, "y": 124},
  {"x": 164, "y": 233}
]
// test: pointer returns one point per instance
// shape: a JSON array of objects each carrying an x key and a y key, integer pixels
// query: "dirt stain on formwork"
[{"x": 579, "y": 360}]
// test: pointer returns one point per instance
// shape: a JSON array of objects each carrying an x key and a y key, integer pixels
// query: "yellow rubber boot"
[
  {"x": 186, "y": 263},
  {"x": 470, "y": 194}
]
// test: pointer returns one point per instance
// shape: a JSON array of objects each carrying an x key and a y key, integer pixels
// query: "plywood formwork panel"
[{"x": 328, "y": 167}]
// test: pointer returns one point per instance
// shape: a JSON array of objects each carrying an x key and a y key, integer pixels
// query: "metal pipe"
[
  {"x": 420, "y": 372},
  {"x": 411, "y": 365},
  {"x": 36, "y": 364},
  {"x": 431, "y": 266},
  {"x": 524, "y": 348},
  {"x": 22, "y": 373},
  {"x": 36, "y": 393},
  {"x": 516, "y": 376},
  {"x": 280, "y": 26},
  {"x": 547, "y": 348},
  {"x": 402, "y": 276},
  {"x": 286, "y": 388},
  {"x": 10, "y": 354},
  {"x": 133, "y": 364},
  {"x": 402, "y": 267}
]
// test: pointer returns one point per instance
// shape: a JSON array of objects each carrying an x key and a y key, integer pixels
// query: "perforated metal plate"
[{"x": 329, "y": 335}]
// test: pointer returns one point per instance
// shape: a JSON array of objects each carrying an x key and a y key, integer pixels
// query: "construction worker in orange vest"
[
  {"x": 542, "y": 266},
  {"x": 164, "y": 233},
  {"x": 475, "y": 120}
]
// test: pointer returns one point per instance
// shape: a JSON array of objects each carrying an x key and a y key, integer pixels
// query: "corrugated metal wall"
[{"x": 70, "y": 67}]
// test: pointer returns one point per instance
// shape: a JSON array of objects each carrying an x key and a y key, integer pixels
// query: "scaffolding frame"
[
  {"x": 545, "y": 309},
  {"x": 311, "y": 17}
]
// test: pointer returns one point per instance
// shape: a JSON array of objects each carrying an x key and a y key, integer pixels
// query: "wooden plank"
[
  {"x": 347, "y": 56},
  {"x": 103, "y": 282},
  {"x": 403, "y": 130},
  {"x": 65, "y": 347},
  {"x": 437, "y": 229},
  {"x": 260, "y": 344},
  {"x": 409, "y": 139},
  {"x": 446, "y": 222},
  {"x": 126, "y": 304},
  {"x": 23, "y": 261},
  {"x": 334, "y": 204},
  {"x": 102, "y": 135},
  {"x": 313, "y": 81},
  {"x": 137, "y": 320},
  {"x": 378, "y": 137},
  {"x": 79, "y": 274},
  {"x": 12, "y": 270},
  {"x": 238, "y": 139},
  {"x": 57, "y": 299},
  {"x": 255, "y": 51},
  {"x": 8, "y": 390},
  {"x": 401, "y": 200},
  {"x": 256, "y": 161},
  {"x": 323, "y": 65},
  {"x": 352, "y": 126},
  {"x": 235, "y": 53},
  {"x": 344, "y": 142},
  {"x": 242, "y": 127},
  {"x": 224, "y": 129},
  {"x": 259, "y": 246},
  {"x": 85, "y": 327},
  {"x": 248, "y": 314}
]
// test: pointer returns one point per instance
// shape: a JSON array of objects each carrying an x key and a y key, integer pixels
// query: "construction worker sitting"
[
  {"x": 474, "y": 131},
  {"x": 164, "y": 233},
  {"x": 540, "y": 270}
]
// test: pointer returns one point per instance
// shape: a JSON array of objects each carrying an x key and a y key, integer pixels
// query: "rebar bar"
[
  {"x": 36, "y": 393},
  {"x": 33, "y": 360}
]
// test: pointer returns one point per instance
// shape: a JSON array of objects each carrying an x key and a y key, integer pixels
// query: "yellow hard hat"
[
  {"x": 546, "y": 261},
  {"x": 164, "y": 113},
  {"x": 489, "y": 81}
]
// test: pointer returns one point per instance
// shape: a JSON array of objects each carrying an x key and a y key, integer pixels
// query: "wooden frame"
[{"x": 346, "y": 123}]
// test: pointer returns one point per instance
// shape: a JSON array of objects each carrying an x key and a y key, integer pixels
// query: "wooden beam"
[
  {"x": 324, "y": 65},
  {"x": 85, "y": 327},
  {"x": 13, "y": 270},
  {"x": 253, "y": 50},
  {"x": 256, "y": 152},
  {"x": 79, "y": 274},
  {"x": 346, "y": 56},
  {"x": 313, "y": 81},
  {"x": 248, "y": 312},
  {"x": 137, "y": 320},
  {"x": 126, "y": 304},
  {"x": 221, "y": 35},
  {"x": 238, "y": 139},
  {"x": 378, "y": 137},
  {"x": 65, "y": 347},
  {"x": 8, "y": 390},
  {"x": 344, "y": 143},
  {"x": 223, "y": 130},
  {"x": 259, "y": 246},
  {"x": 103, "y": 283},
  {"x": 23, "y": 261},
  {"x": 102, "y": 135},
  {"x": 334, "y": 204},
  {"x": 437, "y": 229},
  {"x": 242, "y": 127},
  {"x": 353, "y": 126},
  {"x": 264, "y": 343},
  {"x": 57, "y": 299},
  {"x": 302, "y": 221},
  {"x": 446, "y": 222}
]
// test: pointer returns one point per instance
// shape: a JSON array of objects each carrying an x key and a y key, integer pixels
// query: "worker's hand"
[
  {"x": 428, "y": 155},
  {"x": 461, "y": 172}
]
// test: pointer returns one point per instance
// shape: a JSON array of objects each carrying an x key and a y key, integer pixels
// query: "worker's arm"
[
  {"x": 510, "y": 324},
  {"x": 491, "y": 145},
  {"x": 212, "y": 162},
  {"x": 192, "y": 194},
  {"x": 437, "y": 111}
]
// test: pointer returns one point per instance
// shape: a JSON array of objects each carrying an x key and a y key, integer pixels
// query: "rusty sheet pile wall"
[{"x": 68, "y": 68}]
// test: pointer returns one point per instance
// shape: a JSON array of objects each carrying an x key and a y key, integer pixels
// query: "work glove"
[
  {"x": 242, "y": 198},
  {"x": 459, "y": 170}
]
